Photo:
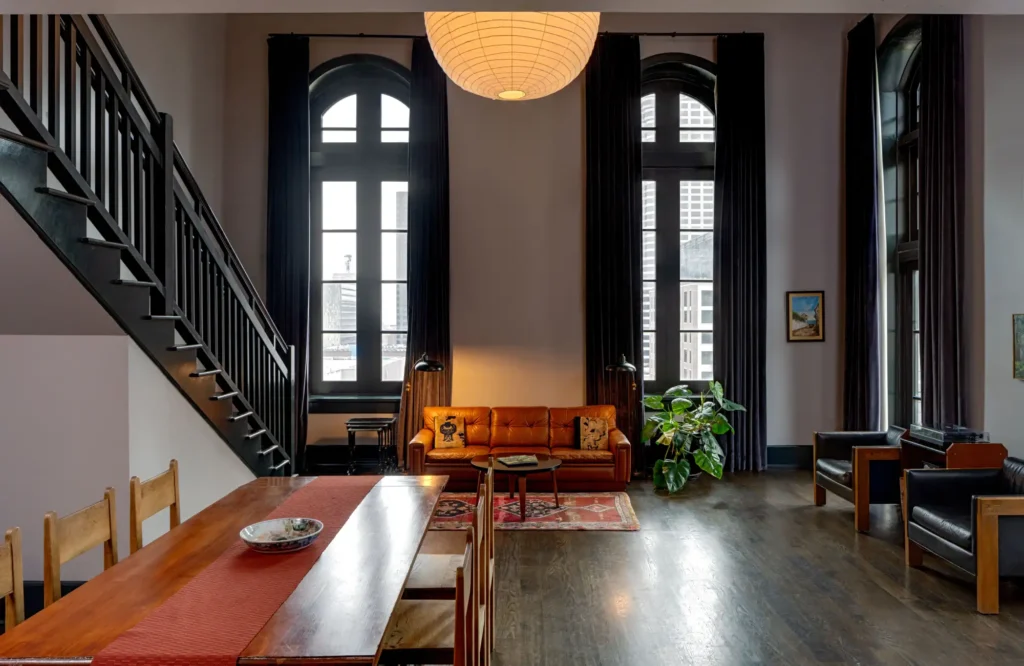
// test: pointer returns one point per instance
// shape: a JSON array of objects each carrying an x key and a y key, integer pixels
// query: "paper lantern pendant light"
[{"x": 512, "y": 55}]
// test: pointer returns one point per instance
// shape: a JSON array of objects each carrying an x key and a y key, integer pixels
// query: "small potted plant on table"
[{"x": 687, "y": 425}]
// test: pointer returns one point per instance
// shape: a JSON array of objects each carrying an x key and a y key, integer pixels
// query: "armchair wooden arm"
[
  {"x": 989, "y": 509},
  {"x": 862, "y": 457}
]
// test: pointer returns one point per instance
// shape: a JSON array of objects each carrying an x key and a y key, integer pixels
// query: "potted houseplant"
[{"x": 687, "y": 425}]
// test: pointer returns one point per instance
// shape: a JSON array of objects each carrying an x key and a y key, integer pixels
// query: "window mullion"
[
  {"x": 316, "y": 275},
  {"x": 667, "y": 338}
]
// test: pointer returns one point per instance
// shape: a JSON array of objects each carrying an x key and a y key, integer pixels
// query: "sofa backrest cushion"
[
  {"x": 1013, "y": 476},
  {"x": 478, "y": 422},
  {"x": 519, "y": 426},
  {"x": 563, "y": 422},
  {"x": 894, "y": 435}
]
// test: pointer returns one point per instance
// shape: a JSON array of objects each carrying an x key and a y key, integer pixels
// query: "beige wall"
[
  {"x": 997, "y": 98},
  {"x": 39, "y": 295},
  {"x": 163, "y": 425},
  {"x": 64, "y": 435},
  {"x": 180, "y": 59},
  {"x": 517, "y": 206},
  {"x": 80, "y": 413}
]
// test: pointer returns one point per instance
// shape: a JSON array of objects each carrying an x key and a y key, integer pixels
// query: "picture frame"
[
  {"x": 1018, "y": 346},
  {"x": 805, "y": 316}
]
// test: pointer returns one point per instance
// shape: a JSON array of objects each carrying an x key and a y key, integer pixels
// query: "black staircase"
[{"x": 132, "y": 224}]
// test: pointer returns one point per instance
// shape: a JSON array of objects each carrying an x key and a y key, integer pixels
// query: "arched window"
[
  {"x": 678, "y": 140},
  {"x": 900, "y": 85},
  {"x": 359, "y": 122}
]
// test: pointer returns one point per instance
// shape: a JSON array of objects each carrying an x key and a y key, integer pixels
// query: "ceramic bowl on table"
[{"x": 281, "y": 535}]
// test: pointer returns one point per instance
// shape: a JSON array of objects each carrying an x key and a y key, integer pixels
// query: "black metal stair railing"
[{"x": 71, "y": 87}]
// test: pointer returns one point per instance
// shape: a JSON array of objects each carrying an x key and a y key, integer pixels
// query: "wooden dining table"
[{"x": 337, "y": 615}]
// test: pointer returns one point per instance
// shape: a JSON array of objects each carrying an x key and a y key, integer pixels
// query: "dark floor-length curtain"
[
  {"x": 862, "y": 358},
  {"x": 942, "y": 219},
  {"x": 429, "y": 288},
  {"x": 739, "y": 335},
  {"x": 288, "y": 212},
  {"x": 613, "y": 235}
]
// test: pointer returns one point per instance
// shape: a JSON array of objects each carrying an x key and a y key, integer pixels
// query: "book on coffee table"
[{"x": 518, "y": 461}]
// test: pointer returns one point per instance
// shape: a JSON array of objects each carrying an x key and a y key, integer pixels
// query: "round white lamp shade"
[{"x": 512, "y": 56}]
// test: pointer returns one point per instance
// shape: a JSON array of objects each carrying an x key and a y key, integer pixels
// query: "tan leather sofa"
[{"x": 512, "y": 430}]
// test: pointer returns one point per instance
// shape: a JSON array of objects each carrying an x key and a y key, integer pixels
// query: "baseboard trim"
[
  {"x": 790, "y": 456},
  {"x": 34, "y": 596}
]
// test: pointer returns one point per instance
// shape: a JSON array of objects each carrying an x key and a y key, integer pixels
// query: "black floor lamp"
[{"x": 623, "y": 365}]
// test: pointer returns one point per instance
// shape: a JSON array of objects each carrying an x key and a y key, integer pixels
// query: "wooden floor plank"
[{"x": 736, "y": 573}]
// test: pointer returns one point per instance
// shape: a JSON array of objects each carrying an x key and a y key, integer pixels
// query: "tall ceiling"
[{"x": 662, "y": 6}]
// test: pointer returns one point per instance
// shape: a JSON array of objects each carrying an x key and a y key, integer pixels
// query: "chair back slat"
[
  {"x": 465, "y": 605},
  {"x": 12, "y": 584},
  {"x": 151, "y": 497},
  {"x": 66, "y": 538}
]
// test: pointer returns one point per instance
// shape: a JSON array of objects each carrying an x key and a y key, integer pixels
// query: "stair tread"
[
  {"x": 100, "y": 242},
  {"x": 206, "y": 373},
  {"x": 61, "y": 194},
  {"x": 18, "y": 138},
  {"x": 134, "y": 283}
]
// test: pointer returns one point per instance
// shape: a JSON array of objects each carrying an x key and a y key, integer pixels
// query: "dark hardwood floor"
[{"x": 745, "y": 571}]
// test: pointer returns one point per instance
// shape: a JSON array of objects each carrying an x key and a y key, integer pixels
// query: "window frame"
[
  {"x": 368, "y": 162},
  {"x": 667, "y": 161},
  {"x": 899, "y": 85},
  {"x": 907, "y": 260}
]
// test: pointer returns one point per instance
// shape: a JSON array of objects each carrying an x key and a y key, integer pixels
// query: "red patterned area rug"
[{"x": 609, "y": 512}]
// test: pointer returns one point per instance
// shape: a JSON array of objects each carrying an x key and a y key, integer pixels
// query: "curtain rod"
[{"x": 366, "y": 35}]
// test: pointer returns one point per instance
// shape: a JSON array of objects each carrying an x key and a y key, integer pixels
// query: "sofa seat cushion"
[
  {"x": 950, "y": 523},
  {"x": 519, "y": 450},
  {"x": 465, "y": 453},
  {"x": 583, "y": 456},
  {"x": 840, "y": 471}
]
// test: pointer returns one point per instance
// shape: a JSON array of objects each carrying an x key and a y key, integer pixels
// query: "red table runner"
[{"x": 211, "y": 620}]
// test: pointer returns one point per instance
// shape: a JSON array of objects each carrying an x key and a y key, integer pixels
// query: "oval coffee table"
[{"x": 545, "y": 464}]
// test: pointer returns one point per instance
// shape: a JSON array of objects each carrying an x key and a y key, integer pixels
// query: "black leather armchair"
[
  {"x": 972, "y": 518},
  {"x": 861, "y": 467}
]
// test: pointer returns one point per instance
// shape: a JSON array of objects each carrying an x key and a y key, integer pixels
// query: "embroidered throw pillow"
[
  {"x": 591, "y": 433},
  {"x": 449, "y": 432}
]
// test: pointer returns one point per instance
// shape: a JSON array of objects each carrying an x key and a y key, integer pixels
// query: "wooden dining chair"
[
  {"x": 66, "y": 538},
  {"x": 484, "y": 627},
  {"x": 433, "y": 572},
  {"x": 12, "y": 584},
  {"x": 151, "y": 497},
  {"x": 435, "y": 631}
]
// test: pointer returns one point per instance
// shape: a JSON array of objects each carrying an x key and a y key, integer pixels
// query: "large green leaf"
[
  {"x": 721, "y": 425},
  {"x": 681, "y": 405},
  {"x": 707, "y": 409},
  {"x": 718, "y": 391},
  {"x": 707, "y": 463},
  {"x": 654, "y": 402},
  {"x": 681, "y": 441},
  {"x": 659, "y": 475},
  {"x": 709, "y": 455},
  {"x": 650, "y": 428},
  {"x": 680, "y": 391},
  {"x": 675, "y": 475},
  {"x": 730, "y": 406}
]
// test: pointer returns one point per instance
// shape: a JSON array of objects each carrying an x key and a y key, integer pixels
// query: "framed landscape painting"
[
  {"x": 1018, "y": 346},
  {"x": 805, "y": 316}
]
